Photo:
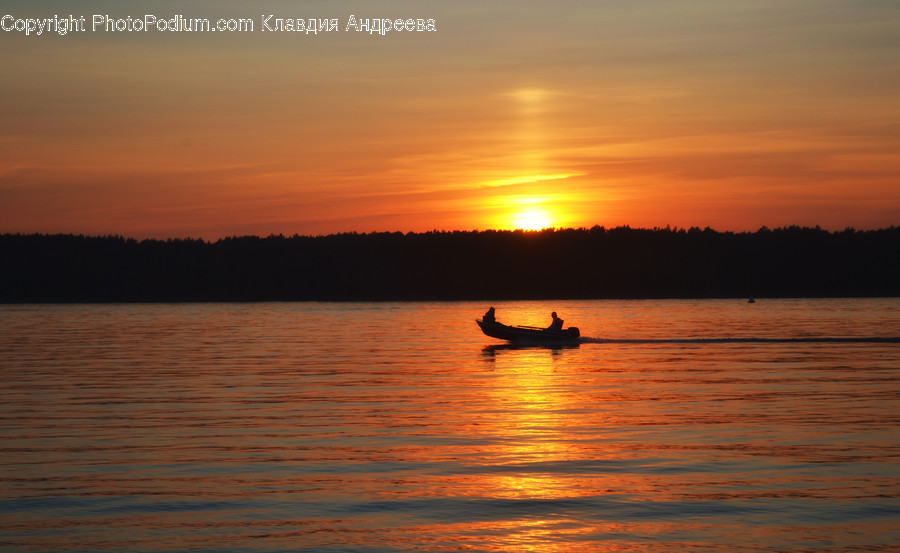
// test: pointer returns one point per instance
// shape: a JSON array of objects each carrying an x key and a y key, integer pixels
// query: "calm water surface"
[{"x": 399, "y": 427}]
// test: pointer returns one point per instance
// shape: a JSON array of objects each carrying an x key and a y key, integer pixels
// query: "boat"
[{"x": 529, "y": 334}]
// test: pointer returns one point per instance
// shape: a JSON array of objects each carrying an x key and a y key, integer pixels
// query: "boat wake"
[{"x": 801, "y": 340}]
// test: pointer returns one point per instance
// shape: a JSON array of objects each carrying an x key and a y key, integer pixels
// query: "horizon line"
[{"x": 669, "y": 228}]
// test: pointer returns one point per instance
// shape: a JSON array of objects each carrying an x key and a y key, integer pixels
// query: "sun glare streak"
[{"x": 528, "y": 179}]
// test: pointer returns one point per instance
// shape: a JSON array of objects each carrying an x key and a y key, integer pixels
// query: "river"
[{"x": 708, "y": 425}]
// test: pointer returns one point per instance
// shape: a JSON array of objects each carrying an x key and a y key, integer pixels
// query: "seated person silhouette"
[
  {"x": 556, "y": 324},
  {"x": 489, "y": 316}
]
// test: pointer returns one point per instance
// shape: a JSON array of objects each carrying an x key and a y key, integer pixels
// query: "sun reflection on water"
[{"x": 533, "y": 429}]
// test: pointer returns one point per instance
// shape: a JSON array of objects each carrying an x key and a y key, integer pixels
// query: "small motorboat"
[{"x": 529, "y": 334}]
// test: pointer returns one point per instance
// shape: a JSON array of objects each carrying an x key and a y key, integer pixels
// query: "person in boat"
[
  {"x": 489, "y": 316},
  {"x": 556, "y": 324}
]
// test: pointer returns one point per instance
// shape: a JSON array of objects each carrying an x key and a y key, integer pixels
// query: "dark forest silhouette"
[{"x": 478, "y": 265}]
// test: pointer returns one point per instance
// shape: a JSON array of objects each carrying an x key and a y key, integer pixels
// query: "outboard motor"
[{"x": 573, "y": 331}]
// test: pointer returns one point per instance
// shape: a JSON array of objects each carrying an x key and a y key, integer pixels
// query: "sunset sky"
[{"x": 729, "y": 114}]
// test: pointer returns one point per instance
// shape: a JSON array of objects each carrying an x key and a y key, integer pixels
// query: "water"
[{"x": 707, "y": 426}]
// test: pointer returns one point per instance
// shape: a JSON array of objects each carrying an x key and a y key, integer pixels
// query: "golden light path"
[{"x": 538, "y": 432}]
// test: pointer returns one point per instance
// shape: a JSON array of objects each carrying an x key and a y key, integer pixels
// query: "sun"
[{"x": 532, "y": 218}]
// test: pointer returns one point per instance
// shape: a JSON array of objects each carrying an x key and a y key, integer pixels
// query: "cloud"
[{"x": 648, "y": 108}]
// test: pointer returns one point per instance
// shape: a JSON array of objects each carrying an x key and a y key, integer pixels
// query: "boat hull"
[{"x": 529, "y": 335}]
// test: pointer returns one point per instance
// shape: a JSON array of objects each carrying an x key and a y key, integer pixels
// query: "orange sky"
[{"x": 650, "y": 113}]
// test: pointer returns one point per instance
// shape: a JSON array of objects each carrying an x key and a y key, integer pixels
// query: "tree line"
[{"x": 596, "y": 262}]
